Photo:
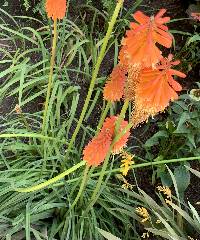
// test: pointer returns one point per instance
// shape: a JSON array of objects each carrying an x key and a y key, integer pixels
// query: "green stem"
[
  {"x": 30, "y": 135},
  {"x": 103, "y": 116},
  {"x": 140, "y": 165},
  {"x": 81, "y": 189},
  {"x": 52, "y": 180},
  {"x": 96, "y": 71},
  {"x": 26, "y": 125},
  {"x": 85, "y": 176},
  {"x": 25, "y": 122},
  {"x": 121, "y": 116},
  {"x": 52, "y": 63}
]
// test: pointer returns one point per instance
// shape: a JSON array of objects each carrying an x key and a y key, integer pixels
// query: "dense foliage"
[{"x": 92, "y": 97}]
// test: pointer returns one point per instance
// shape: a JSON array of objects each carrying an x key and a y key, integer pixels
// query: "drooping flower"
[
  {"x": 56, "y": 9},
  {"x": 139, "y": 45},
  {"x": 114, "y": 88},
  {"x": 96, "y": 150},
  {"x": 155, "y": 89}
]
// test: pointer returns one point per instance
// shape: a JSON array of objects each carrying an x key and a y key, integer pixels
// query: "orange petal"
[
  {"x": 160, "y": 13},
  {"x": 114, "y": 88},
  {"x": 140, "y": 17},
  {"x": 155, "y": 90},
  {"x": 56, "y": 9},
  {"x": 121, "y": 143},
  {"x": 175, "y": 85},
  {"x": 177, "y": 73},
  {"x": 139, "y": 45},
  {"x": 96, "y": 150}
]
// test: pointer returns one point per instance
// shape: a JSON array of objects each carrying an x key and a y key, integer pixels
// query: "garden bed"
[{"x": 74, "y": 81}]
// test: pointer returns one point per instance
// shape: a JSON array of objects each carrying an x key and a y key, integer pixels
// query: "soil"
[{"x": 175, "y": 9}]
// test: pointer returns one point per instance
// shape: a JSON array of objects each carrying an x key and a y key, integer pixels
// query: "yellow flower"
[
  {"x": 166, "y": 191},
  {"x": 145, "y": 235},
  {"x": 18, "y": 109},
  {"x": 127, "y": 161},
  {"x": 127, "y": 185},
  {"x": 143, "y": 213},
  {"x": 158, "y": 221}
]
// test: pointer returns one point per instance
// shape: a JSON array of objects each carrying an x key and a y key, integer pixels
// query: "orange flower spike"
[
  {"x": 56, "y": 9},
  {"x": 121, "y": 143},
  {"x": 139, "y": 45},
  {"x": 114, "y": 88},
  {"x": 96, "y": 150},
  {"x": 110, "y": 124},
  {"x": 157, "y": 87}
]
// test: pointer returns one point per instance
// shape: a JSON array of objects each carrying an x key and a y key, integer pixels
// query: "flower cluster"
[
  {"x": 143, "y": 76},
  {"x": 97, "y": 149},
  {"x": 126, "y": 162},
  {"x": 166, "y": 191},
  {"x": 143, "y": 213}
]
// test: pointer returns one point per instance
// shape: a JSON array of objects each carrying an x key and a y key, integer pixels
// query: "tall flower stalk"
[
  {"x": 55, "y": 10},
  {"x": 120, "y": 136},
  {"x": 143, "y": 76},
  {"x": 50, "y": 80},
  {"x": 96, "y": 71}
]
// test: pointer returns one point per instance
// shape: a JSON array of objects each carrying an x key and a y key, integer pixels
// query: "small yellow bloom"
[
  {"x": 127, "y": 161},
  {"x": 166, "y": 191},
  {"x": 158, "y": 221},
  {"x": 145, "y": 235},
  {"x": 18, "y": 109},
  {"x": 190, "y": 238},
  {"x": 143, "y": 213},
  {"x": 126, "y": 184}
]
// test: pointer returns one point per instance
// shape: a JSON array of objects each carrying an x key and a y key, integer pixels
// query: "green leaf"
[
  {"x": 195, "y": 172},
  {"x": 155, "y": 138},
  {"x": 107, "y": 235},
  {"x": 166, "y": 179},
  {"x": 193, "y": 39},
  {"x": 182, "y": 177},
  {"x": 191, "y": 139},
  {"x": 181, "y": 128}
]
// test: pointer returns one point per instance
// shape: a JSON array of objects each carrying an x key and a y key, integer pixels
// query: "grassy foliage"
[{"x": 51, "y": 163}]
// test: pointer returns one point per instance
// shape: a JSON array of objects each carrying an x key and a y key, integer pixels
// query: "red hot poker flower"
[
  {"x": 110, "y": 124},
  {"x": 139, "y": 45},
  {"x": 156, "y": 88},
  {"x": 97, "y": 149},
  {"x": 56, "y": 9},
  {"x": 114, "y": 88}
]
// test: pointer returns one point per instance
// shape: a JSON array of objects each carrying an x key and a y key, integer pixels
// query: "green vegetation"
[{"x": 47, "y": 189}]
